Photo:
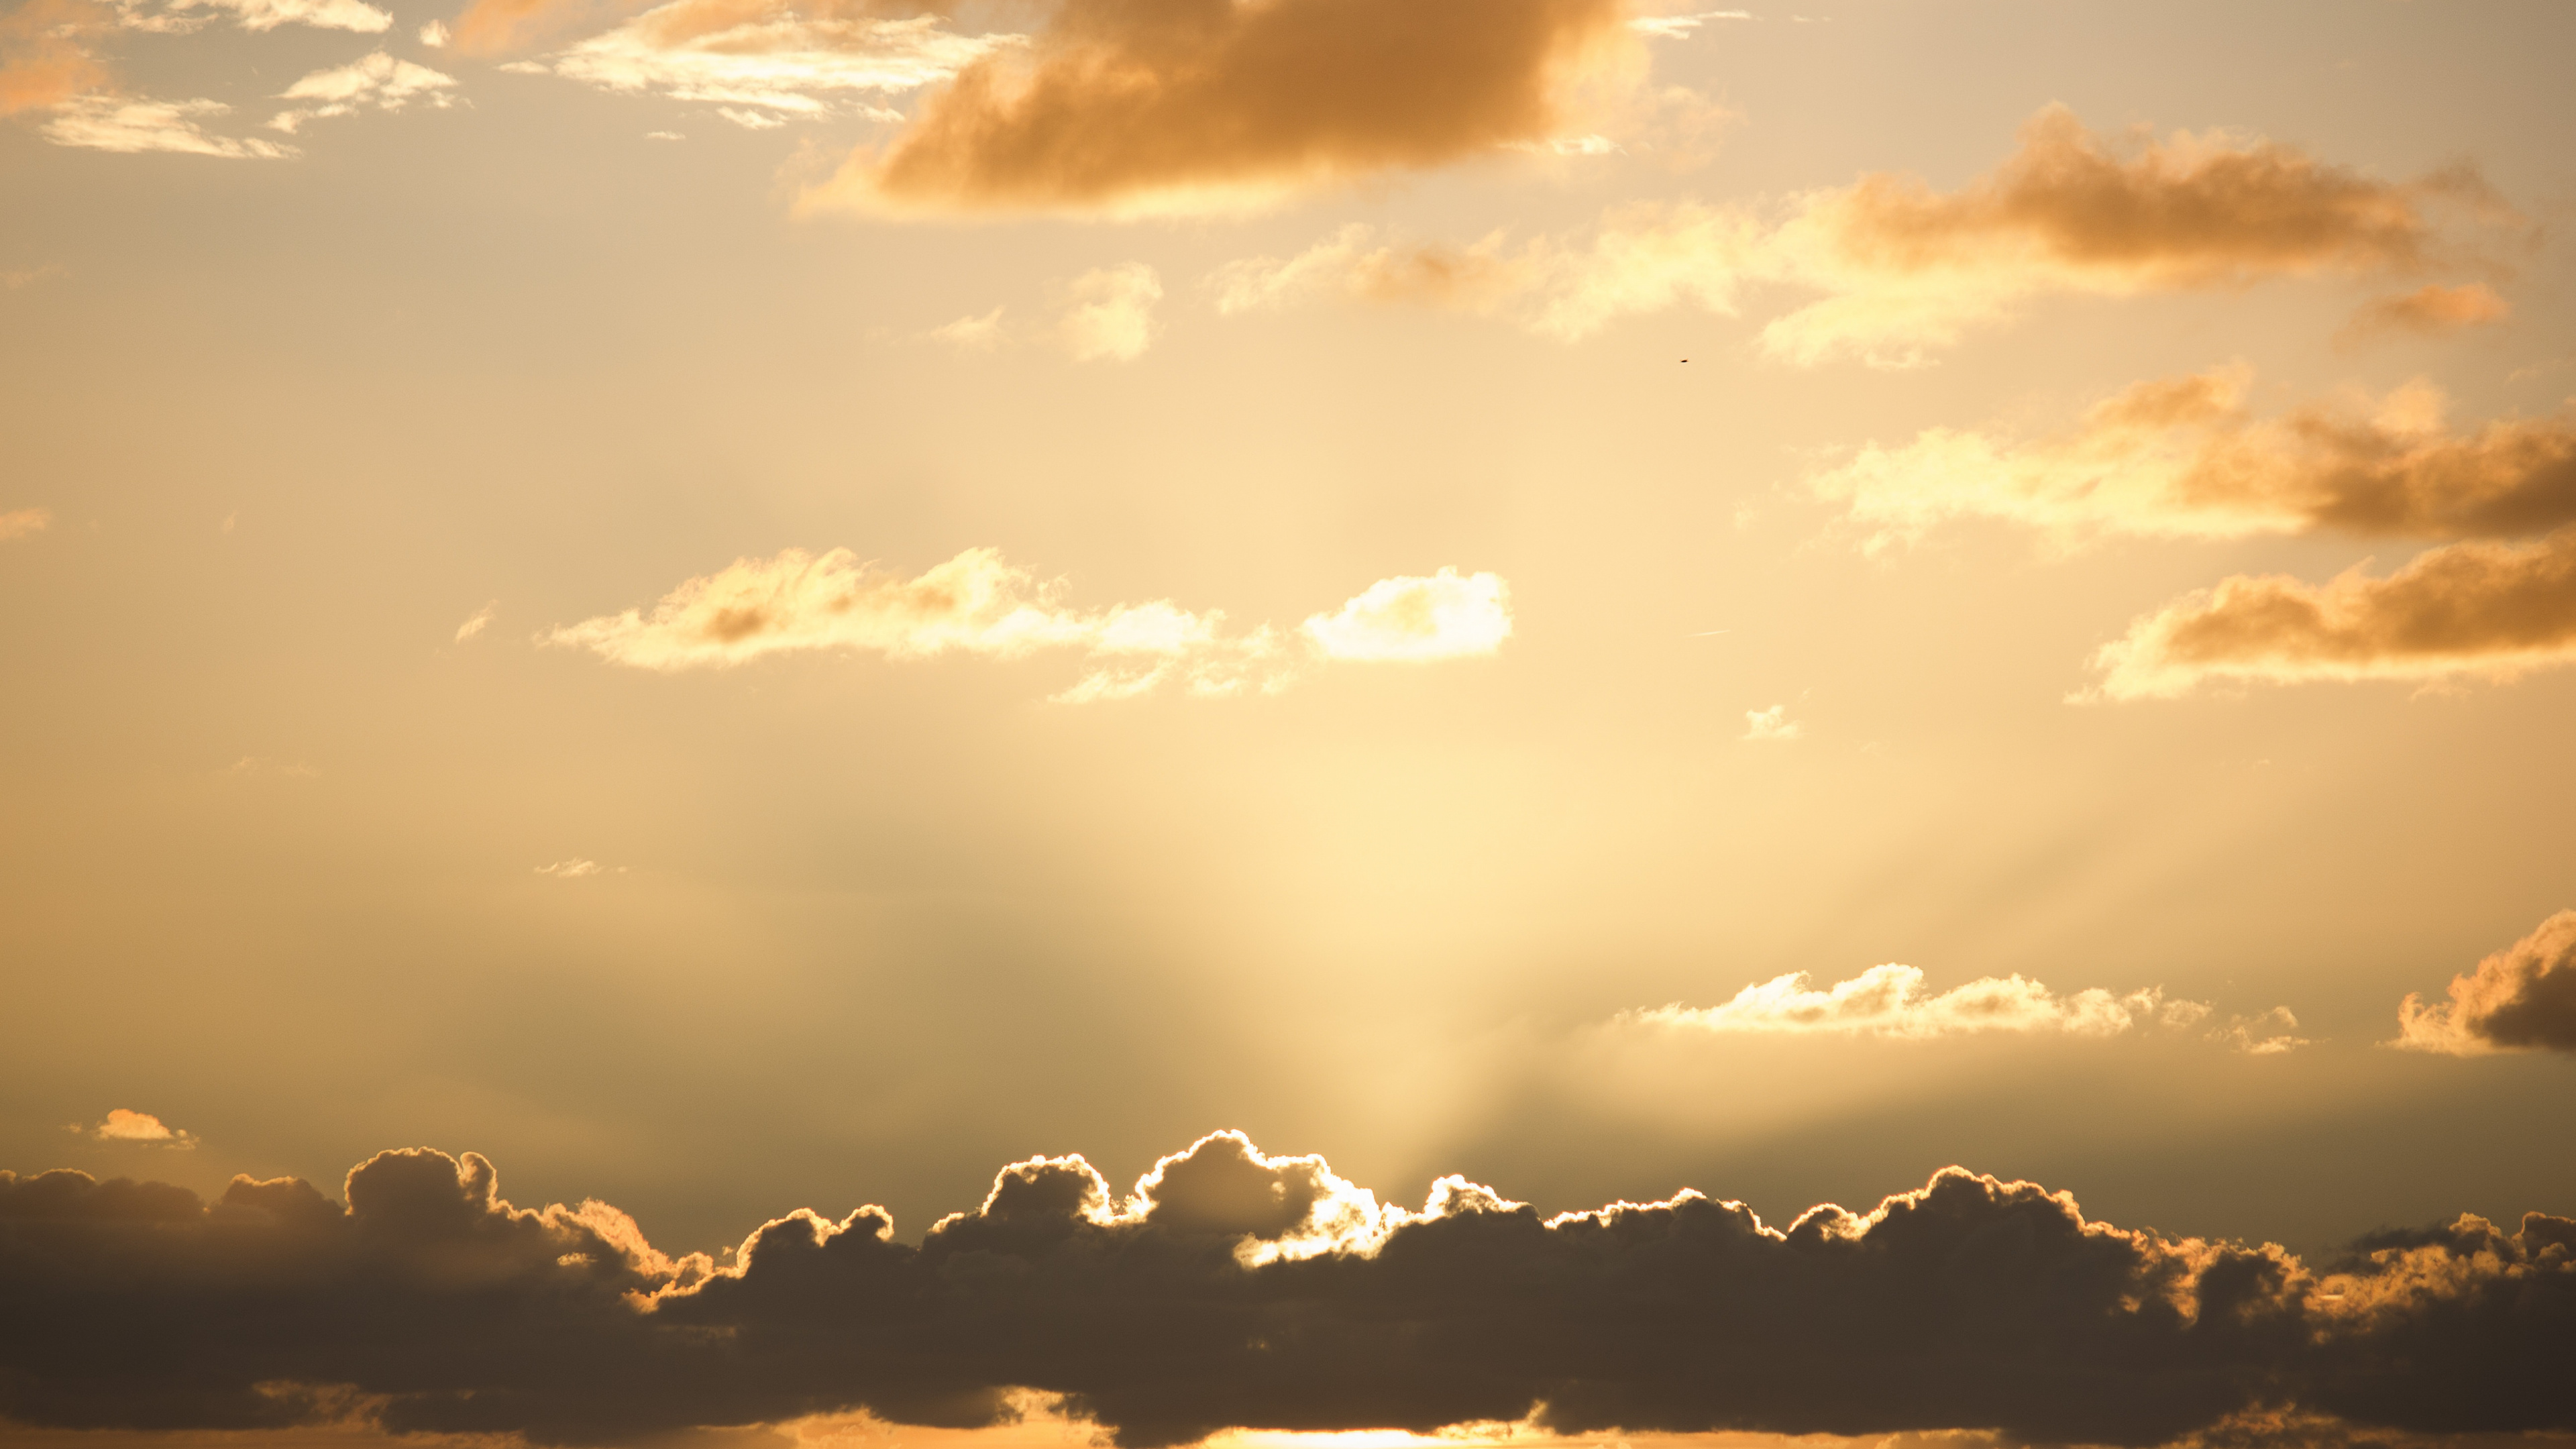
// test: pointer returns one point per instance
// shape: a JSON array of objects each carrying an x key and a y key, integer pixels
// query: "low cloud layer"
[
  {"x": 1904, "y": 268},
  {"x": 2466, "y": 610},
  {"x": 1892, "y": 1001},
  {"x": 1192, "y": 105},
  {"x": 978, "y": 604},
  {"x": 2186, "y": 457},
  {"x": 2522, "y": 998},
  {"x": 1235, "y": 1289}
]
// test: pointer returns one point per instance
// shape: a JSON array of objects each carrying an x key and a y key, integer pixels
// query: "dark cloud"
[
  {"x": 1234, "y": 1289},
  {"x": 2522, "y": 998}
]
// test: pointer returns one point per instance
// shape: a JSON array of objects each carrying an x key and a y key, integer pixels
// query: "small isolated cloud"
[
  {"x": 977, "y": 604},
  {"x": 769, "y": 60},
  {"x": 2475, "y": 609},
  {"x": 2185, "y": 457},
  {"x": 572, "y": 869},
  {"x": 1892, "y": 1001},
  {"x": 2267, "y": 1035},
  {"x": 972, "y": 334},
  {"x": 1773, "y": 724},
  {"x": 434, "y": 35},
  {"x": 2428, "y": 311},
  {"x": 1903, "y": 268},
  {"x": 477, "y": 622},
  {"x": 24, "y": 521},
  {"x": 376, "y": 82},
  {"x": 1445, "y": 616},
  {"x": 2522, "y": 998},
  {"x": 1125, "y": 108},
  {"x": 1679, "y": 27},
  {"x": 1109, "y": 313},
  {"x": 138, "y": 1128},
  {"x": 109, "y": 123}
]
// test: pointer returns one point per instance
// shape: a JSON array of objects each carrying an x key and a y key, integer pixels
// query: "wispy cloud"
[
  {"x": 977, "y": 604},
  {"x": 1892, "y": 1001},
  {"x": 111, "y": 123},
  {"x": 375, "y": 82},
  {"x": 2428, "y": 311},
  {"x": 573, "y": 868},
  {"x": 21, "y": 522},
  {"x": 477, "y": 622},
  {"x": 1108, "y": 314}
]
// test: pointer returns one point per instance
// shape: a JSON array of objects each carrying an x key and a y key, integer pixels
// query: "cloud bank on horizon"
[{"x": 1233, "y": 1289}]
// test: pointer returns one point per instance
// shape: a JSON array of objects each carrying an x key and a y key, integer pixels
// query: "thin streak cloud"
[{"x": 1892, "y": 1001}]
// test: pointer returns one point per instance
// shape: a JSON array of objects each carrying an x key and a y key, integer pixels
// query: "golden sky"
[{"x": 743, "y": 608}]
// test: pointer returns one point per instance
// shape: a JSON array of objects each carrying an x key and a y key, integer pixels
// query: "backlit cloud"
[
  {"x": 1445, "y": 616},
  {"x": 1109, "y": 313},
  {"x": 1904, "y": 268},
  {"x": 977, "y": 604},
  {"x": 18, "y": 523},
  {"x": 2476, "y": 609},
  {"x": 375, "y": 82},
  {"x": 2522, "y": 998},
  {"x": 1179, "y": 105},
  {"x": 1892, "y": 1001},
  {"x": 139, "y": 1128},
  {"x": 765, "y": 60},
  {"x": 2185, "y": 457},
  {"x": 1233, "y": 1289}
]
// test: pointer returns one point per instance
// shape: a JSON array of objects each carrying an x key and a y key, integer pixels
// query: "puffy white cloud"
[
  {"x": 112, "y": 123},
  {"x": 374, "y": 82},
  {"x": 1109, "y": 313},
  {"x": 1411, "y": 618}
]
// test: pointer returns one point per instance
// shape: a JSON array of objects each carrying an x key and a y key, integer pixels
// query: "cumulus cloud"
[
  {"x": 1771, "y": 725},
  {"x": 1904, "y": 268},
  {"x": 2522, "y": 998},
  {"x": 2476, "y": 609},
  {"x": 374, "y": 82},
  {"x": 1445, "y": 616},
  {"x": 2185, "y": 457},
  {"x": 112, "y": 123},
  {"x": 18, "y": 523},
  {"x": 140, "y": 1128},
  {"x": 977, "y": 604},
  {"x": 1187, "y": 105},
  {"x": 764, "y": 60},
  {"x": 1109, "y": 313},
  {"x": 2428, "y": 311},
  {"x": 1892, "y": 1001},
  {"x": 1233, "y": 1289}
]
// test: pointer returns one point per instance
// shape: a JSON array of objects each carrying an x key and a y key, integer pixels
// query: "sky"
[{"x": 698, "y": 693}]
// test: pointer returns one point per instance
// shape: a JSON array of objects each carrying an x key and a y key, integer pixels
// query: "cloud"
[
  {"x": 2428, "y": 311},
  {"x": 1234, "y": 1289},
  {"x": 373, "y": 82},
  {"x": 2477, "y": 609},
  {"x": 2522, "y": 998},
  {"x": 1891, "y": 1001},
  {"x": 24, "y": 521},
  {"x": 477, "y": 622},
  {"x": 43, "y": 61},
  {"x": 15, "y": 278},
  {"x": 1412, "y": 619},
  {"x": 434, "y": 34},
  {"x": 1771, "y": 724},
  {"x": 320, "y": 14},
  {"x": 1109, "y": 313},
  {"x": 110, "y": 123},
  {"x": 1179, "y": 106},
  {"x": 972, "y": 334},
  {"x": 141, "y": 1128},
  {"x": 977, "y": 604},
  {"x": 572, "y": 869},
  {"x": 1679, "y": 27},
  {"x": 2266, "y": 1035},
  {"x": 1904, "y": 268},
  {"x": 2184, "y": 457},
  {"x": 770, "y": 59}
]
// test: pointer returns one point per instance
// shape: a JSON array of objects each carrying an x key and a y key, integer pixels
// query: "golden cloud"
[
  {"x": 1892, "y": 1001},
  {"x": 1190, "y": 105},
  {"x": 978, "y": 604},
  {"x": 2467, "y": 609},
  {"x": 2522, "y": 998},
  {"x": 142, "y": 1128},
  {"x": 1904, "y": 267},
  {"x": 2184, "y": 457},
  {"x": 21, "y": 522},
  {"x": 43, "y": 62},
  {"x": 2428, "y": 311}
]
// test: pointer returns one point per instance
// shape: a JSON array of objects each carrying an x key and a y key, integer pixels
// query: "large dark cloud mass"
[{"x": 1235, "y": 1289}]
